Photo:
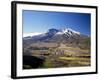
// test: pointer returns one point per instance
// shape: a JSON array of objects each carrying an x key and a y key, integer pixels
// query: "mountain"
[
  {"x": 56, "y": 48},
  {"x": 53, "y": 32},
  {"x": 57, "y": 36}
]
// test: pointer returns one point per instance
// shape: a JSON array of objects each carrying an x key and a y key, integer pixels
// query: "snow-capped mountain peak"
[
  {"x": 68, "y": 30},
  {"x": 55, "y": 35},
  {"x": 52, "y": 32},
  {"x": 74, "y": 31},
  {"x": 64, "y": 30}
]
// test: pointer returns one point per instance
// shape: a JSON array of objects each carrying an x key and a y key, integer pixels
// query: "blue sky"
[{"x": 41, "y": 21}]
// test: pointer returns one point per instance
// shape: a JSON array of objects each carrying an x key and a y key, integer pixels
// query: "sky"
[{"x": 41, "y": 21}]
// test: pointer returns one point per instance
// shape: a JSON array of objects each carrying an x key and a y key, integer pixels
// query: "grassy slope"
[{"x": 71, "y": 57}]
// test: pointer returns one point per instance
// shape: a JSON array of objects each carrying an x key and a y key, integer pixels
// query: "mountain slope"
[{"x": 57, "y": 36}]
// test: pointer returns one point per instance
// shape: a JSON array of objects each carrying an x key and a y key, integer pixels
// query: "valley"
[{"x": 61, "y": 55}]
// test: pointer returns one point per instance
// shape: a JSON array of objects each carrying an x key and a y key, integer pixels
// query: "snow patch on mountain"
[
  {"x": 74, "y": 31},
  {"x": 31, "y": 34},
  {"x": 68, "y": 30}
]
